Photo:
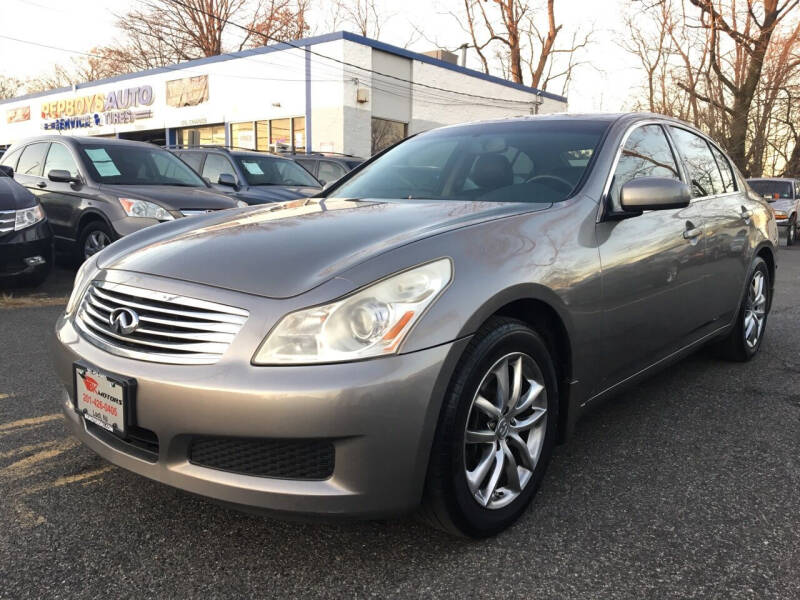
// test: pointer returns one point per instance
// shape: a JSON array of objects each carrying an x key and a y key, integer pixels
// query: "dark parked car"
[
  {"x": 96, "y": 190},
  {"x": 327, "y": 167},
  {"x": 425, "y": 331},
  {"x": 784, "y": 195},
  {"x": 26, "y": 243},
  {"x": 252, "y": 177}
]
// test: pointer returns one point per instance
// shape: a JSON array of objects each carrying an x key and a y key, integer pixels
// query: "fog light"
[{"x": 34, "y": 261}]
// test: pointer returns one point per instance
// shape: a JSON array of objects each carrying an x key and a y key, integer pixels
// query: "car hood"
[
  {"x": 259, "y": 194},
  {"x": 282, "y": 250},
  {"x": 174, "y": 197},
  {"x": 13, "y": 196},
  {"x": 784, "y": 205}
]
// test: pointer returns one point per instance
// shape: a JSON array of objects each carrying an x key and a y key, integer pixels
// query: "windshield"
[
  {"x": 268, "y": 170},
  {"x": 774, "y": 190},
  {"x": 114, "y": 164},
  {"x": 514, "y": 161}
]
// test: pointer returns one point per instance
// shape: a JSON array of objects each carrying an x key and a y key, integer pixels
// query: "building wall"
[{"x": 260, "y": 85}]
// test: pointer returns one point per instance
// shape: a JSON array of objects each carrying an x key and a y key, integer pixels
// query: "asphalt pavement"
[{"x": 687, "y": 486}]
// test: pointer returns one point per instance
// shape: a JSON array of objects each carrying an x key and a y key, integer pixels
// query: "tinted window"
[
  {"x": 774, "y": 190},
  {"x": 308, "y": 165},
  {"x": 330, "y": 171},
  {"x": 268, "y": 170},
  {"x": 60, "y": 158},
  {"x": 216, "y": 165},
  {"x": 32, "y": 159},
  {"x": 646, "y": 154},
  {"x": 728, "y": 180},
  {"x": 123, "y": 164},
  {"x": 470, "y": 162},
  {"x": 10, "y": 159},
  {"x": 193, "y": 159},
  {"x": 700, "y": 163}
]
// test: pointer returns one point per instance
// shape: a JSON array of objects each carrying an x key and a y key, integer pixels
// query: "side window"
[
  {"x": 60, "y": 158},
  {"x": 728, "y": 180},
  {"x": 700, "y": 163},
  {"x": 308, "y": 165},
  {"x": 521, "y": 164},
  {"x": 216, "y": 164},
  {"x": 646, "y": 154},
  {"x": 32, "y": 159},
  {"x": 193, "y": 159},
  {"x": 10, "y": 159},
  {"x": 330, "y": 171}
]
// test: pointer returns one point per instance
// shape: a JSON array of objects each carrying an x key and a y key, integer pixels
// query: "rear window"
[{"x": 774, "y": 190}]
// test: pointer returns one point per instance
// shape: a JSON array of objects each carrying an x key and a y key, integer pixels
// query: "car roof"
[
  {"x": 84, "y": 141},
  {"x": 784, "y": 179}
]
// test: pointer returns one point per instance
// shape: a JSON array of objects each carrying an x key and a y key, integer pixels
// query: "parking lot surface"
[{"x": 685, "y": 486}]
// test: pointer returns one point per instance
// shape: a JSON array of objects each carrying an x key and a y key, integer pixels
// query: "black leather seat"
[{"x": 491, "y": 172}]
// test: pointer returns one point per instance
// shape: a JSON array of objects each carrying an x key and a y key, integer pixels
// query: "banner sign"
[
  {"x": 18, "y": 115},
  {"x": 85, "y": 111},
  {"x": 190, "y": 91}
]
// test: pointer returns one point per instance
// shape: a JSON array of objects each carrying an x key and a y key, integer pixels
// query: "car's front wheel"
[
  {"x": 94, "y": 238},
  {"x": 791, "y": 233},
  {"x": 744, "y": 340},
  {"x": 495, "y": 434}
]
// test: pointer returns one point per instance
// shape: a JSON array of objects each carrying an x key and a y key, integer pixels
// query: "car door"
[
  {"x": 29, "y": 170},
  {"x": 63, "y": 201},
  {"x": 725, "y": 209},
  {"x": 652, "y": 264}
]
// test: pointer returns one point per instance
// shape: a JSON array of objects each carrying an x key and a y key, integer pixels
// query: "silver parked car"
[
  {"x": 784, "y": 195},
  {"x": 424, "y": 332}
]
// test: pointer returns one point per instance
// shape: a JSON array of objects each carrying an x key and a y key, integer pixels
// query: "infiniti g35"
[{"x": 423, "y": 333}]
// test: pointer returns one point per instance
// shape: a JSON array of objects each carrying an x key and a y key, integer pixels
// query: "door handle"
[
  {"x": 41, "y": 184},
  {"x": 693, "y": 233}
]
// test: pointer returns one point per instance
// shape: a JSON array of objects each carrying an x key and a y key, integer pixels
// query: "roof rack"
[{"x": 318, "y": 153}]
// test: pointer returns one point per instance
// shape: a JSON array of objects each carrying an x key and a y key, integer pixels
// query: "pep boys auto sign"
[{"x": 113, "y": 108}]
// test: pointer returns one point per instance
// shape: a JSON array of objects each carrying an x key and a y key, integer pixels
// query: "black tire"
[
  {"x": 791, "y": 232},
  {"x": 734, "y": 346},
  {"x": 448, "y": 503},
  {"x": 92, "y": 229}
]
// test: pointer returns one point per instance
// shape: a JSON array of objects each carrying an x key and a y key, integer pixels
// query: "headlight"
[
  {"x": 241, "y": 204},
  {"x": 28, "y": 216},
  {"x": 145, "y": 209},
  {"x": 371, "y": 322},
  {"x": 82, "y": 278},
  {"x": 779, "y": 214}
]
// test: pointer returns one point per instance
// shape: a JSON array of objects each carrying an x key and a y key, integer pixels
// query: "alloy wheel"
[
  {"x": 755, "y": 311},
  {"x": 505, "y": 430},
  {"x": 95, "y": 241}
]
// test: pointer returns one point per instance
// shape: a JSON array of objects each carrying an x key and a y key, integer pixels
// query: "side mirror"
[
  {"x": 7, "y": 171},
  {"x": 227, "y": 179},
  {"x": 62, "y": 176},
  {"x": 654, "y": 193}
]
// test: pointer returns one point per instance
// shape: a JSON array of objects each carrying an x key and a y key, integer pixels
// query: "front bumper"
[
  {"x": 380, "y": 415},
  {"x": 30, "y": 243}
]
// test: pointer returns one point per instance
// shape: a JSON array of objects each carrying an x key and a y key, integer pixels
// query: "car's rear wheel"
[
  {"x": 791, "y": 233},
  {"x": 94, "y": 238},
  {"x": 744, "y": 340},
  {"x": 495, "y": 434}
]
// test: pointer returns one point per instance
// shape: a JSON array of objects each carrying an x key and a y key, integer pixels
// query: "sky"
[{"x": 606, "y": 83}]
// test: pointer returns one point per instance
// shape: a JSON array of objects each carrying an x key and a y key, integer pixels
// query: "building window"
[
  {"x": 207, "y": 135},
  {"x": 299, "y": 134},
  {"x": 280, "y": 137},
  {"x": 385, "y": 133},
  {"x": 243, "y": 135}
]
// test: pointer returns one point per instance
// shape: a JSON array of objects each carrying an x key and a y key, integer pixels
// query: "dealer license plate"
[{"x": 101, "y": 398}]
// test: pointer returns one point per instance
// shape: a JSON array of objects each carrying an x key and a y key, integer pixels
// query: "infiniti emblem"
[{"x": 123, "y": 321}]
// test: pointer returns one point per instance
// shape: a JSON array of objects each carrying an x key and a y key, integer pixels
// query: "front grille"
[
  {"x": 172, "y": 329},
  {"x": 7, "y": 220},
  {"x": 197, "y": 213},
  {"x": 283, "y": 459}
]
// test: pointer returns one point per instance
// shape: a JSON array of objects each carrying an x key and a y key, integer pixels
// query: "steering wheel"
[{"x": 555, "y": 178}]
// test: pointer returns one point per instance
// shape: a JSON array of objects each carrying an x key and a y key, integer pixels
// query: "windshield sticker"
[
  {"x": 106, "y": 169},
  {"x": 252, "y": 167},
  {"x": 102, "y": 162}
]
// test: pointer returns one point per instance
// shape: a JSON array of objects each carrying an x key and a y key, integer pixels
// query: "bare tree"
[
  {"x": 9, "y": 87},
  {"x": 521, "y": 37}
]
